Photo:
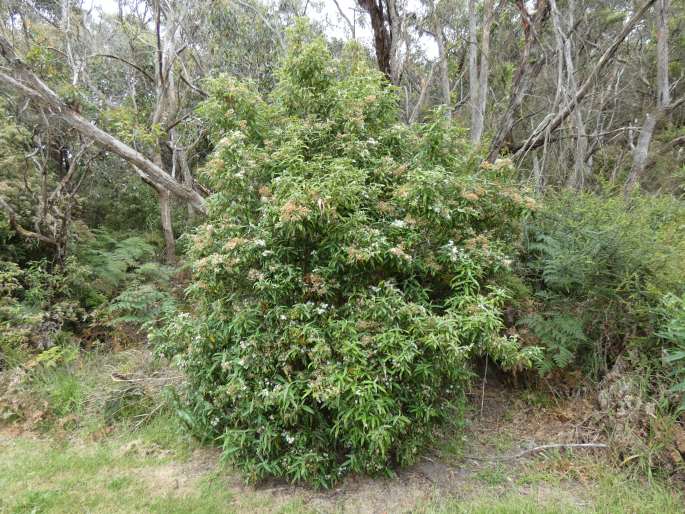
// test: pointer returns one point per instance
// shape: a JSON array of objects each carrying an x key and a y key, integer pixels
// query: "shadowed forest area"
[{"x": 373, "y": 256}]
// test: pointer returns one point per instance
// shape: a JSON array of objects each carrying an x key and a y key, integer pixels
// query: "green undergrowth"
[{"x": 91, "y": 394}]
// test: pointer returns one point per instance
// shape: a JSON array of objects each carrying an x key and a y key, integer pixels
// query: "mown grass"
[
  {"x": 99, "y": 463},
  {"x": 37, "y": 476},
  {"x": 614, "y": 493}
]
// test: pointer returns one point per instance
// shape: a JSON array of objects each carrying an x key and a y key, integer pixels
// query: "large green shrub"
[{"x": 345, "y": 274}]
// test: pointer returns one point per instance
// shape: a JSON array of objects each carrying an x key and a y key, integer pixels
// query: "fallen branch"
[
  {"x": 118, "y": 377},
  {"x": 542, "y": 448}
]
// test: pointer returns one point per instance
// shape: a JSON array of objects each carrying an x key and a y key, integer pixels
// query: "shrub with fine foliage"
[{"x": 345, "y": 275}]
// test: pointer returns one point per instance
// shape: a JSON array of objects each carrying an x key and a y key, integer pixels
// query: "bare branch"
[
  {"x": 537, "y": 137},
  {"x": 542, "y": 448},
  {"x": 129, "y": 63}
]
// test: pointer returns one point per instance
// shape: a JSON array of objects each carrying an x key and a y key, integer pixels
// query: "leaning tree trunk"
[
  {"x": 28, "y": 84},
  {"x": 522, "y": 80}
]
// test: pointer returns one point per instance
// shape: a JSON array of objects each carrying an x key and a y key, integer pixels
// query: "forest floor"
[{"x": 157, "y": 469}]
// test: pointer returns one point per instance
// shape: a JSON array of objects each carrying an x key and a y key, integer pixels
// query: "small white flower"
[{"x": 399, "y": 223}]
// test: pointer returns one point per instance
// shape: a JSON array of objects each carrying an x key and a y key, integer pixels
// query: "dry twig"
[{"x": 542, "y": 448}]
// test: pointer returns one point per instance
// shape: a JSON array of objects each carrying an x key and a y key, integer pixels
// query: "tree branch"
[
  {"x": 14, "y": 225},
  {"x": 279, "y": 36},
  {"x": 342, "y": 13},
  {"x": 129, "y": 63},
  {"x": 542, "y": 448},
  {"x": 41, "y": 93},
  {"x": 536, "y": 138}
]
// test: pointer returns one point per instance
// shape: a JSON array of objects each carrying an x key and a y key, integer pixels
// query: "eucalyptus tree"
[{"x": 68, "y": 95}]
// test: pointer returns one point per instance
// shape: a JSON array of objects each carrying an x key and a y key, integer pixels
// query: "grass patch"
[
  {"x": 615, "y": 494},
  {"x": 493, "y": 475},
  {"x": 36, "y": 476}
]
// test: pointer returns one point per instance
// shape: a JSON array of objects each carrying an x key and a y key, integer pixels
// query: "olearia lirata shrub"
[{"x": 345, "y": 275}]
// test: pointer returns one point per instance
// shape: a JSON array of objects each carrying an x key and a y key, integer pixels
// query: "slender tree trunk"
[
  {"x": 488, "y": 18},
  {"x": 567, "y": 89},
  {"x": 398, "y": 36},
  {"x": 537, "y": 174},
  {"x": 182, "y": 160},
  {"x": 662, "y": 82},
  {"x": 425, "y": 85},
  {"x": 474, "y": 88},
  {"x": 166, "y": 109},
  {"x": 444, "y": 71},
  {"x": 663, "y": 98},
  {"x": 641, "y": 151},
  {"x": 580, "y": 168},
  {"x": 167, "y": 227}
]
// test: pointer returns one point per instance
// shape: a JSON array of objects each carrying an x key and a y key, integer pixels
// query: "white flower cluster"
[
  {"x": 453, "y": 252},
  {"x": 441, "y": 210}
]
